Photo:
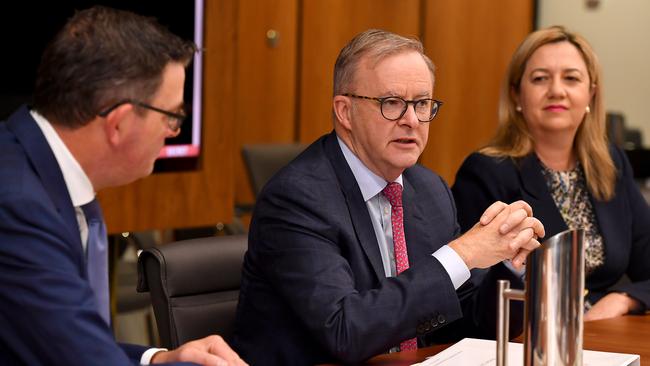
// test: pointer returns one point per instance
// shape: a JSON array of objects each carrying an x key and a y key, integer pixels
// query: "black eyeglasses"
[
  {"x": 174, "y": 120},
  {"x": 393, "y": 108}
]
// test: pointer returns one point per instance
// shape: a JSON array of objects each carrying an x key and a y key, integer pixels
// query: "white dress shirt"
[
  {"x": 79, "y": 186},
  {"x": 379, "y": 209}
]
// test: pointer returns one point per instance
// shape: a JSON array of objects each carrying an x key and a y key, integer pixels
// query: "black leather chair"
[
  {"x": 264, "y": 160},
  {"x": 194, "y": 286}
]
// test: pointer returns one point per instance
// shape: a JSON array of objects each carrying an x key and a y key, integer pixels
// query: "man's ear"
[
  {"x": 343, "y": 111},
  {"x": 115, "y": 125}
]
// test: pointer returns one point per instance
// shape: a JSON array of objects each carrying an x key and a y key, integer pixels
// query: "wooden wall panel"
[
  {"x": 255, "y": 93},
  {"x": 265, "y": 105},
  {"x": 326, "y": 27},
  {"x": 471, "y": 42},
  {"x": 203, "y": 197}
]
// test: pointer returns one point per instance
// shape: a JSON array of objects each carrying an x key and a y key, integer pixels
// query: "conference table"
[{"x": 625, "y": 334}]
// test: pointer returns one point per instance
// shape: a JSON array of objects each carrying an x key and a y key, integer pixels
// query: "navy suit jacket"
[
  {"x": 624, "y": 221},
  {"x": 313, "y": 285},
  {"x": 47, "y": 308}
]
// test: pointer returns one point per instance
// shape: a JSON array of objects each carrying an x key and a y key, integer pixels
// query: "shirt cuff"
[
  {"x": 145, "y": 359},
  {"x": 453, "y": 264}
]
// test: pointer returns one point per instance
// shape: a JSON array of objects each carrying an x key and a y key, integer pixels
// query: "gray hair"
[{"x": 375, "y": 44}]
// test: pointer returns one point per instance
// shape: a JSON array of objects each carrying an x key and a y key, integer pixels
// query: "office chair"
[
  {"x": 132, "y": 314},
  {"x": 194, "y": 286},
  {"x": 264, "y": 160},
  {"x": 619, "y": 134}
]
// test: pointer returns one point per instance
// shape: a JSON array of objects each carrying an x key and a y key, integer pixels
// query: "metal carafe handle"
[
  {"x": 553, "y": 303},
  {"x": 505, "y": 294}
]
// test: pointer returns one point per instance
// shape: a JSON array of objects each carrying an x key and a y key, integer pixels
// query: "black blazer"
[
  {"x": 313, "y": 286},
  {"x": 624, "y": 221}
]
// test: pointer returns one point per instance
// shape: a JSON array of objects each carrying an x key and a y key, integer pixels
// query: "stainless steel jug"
[{"x": 554, "y": 303}]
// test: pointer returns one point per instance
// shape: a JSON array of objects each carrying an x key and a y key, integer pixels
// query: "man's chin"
[
  {"x": 149, "y": 170},
  {"x": 406, "y": 162},
  {"x": 144, "y": 172}
]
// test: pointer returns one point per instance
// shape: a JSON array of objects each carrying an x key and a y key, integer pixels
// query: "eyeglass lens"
[{"x": 393, "y": 108}]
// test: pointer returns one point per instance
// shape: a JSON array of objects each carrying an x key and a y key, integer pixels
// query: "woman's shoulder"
[
  {"x": 498, "y": 173},
  {"x": 488, "y": 164},
  {"x": 618, "y": 156}
]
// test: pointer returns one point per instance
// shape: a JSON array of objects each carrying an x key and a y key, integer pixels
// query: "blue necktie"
[{"x": 97, "y": 257}]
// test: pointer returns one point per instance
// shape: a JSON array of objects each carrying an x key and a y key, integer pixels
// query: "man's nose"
[{"x": 409, "y": 118}]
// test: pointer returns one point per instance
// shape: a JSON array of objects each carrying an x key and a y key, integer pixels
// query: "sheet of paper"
[{"x": 481, "y": 352}]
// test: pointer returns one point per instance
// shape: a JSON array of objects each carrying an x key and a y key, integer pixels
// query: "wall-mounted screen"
[{"x": 27, "y": 27}]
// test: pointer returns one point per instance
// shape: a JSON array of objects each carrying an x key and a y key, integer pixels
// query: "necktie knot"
[
  {"x": 393, "y": 192},
  {"x": 92, "y": 211}
]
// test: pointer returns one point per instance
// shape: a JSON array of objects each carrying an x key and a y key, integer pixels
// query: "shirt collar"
[
  {"x": 369, "y": 183},
  {"x": 79, "y": 186}
]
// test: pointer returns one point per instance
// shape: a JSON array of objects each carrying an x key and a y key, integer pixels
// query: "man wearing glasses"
[
  {"x": 109, "y": 90},
  {"x": 353, "y": 247}
]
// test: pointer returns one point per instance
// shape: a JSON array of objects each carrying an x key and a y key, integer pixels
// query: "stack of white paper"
[{"x": 475, "y": 352}]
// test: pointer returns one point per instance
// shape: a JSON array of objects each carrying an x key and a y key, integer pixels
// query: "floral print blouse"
[{"x": 571, "y": 196}]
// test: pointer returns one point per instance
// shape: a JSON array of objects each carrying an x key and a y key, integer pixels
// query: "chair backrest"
[
  {"x": 194, "y": 286},
  {"x": 615, "y": 123},
  {"x": 264, "y": 160}
]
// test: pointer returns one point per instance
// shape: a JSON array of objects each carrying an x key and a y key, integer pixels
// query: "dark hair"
[{"x": 102, "y": 56}]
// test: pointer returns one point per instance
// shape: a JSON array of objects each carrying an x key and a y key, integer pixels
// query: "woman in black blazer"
[{"x": 551, "y": 150}]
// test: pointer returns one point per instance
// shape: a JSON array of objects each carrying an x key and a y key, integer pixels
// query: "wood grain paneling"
[
  {"x": 205, "y": 196},
  {"x": 471, "y": 42},
  {"x": 265, "y": 105},
  {"x": 255, "y": 93},
  {"x": 326, "y": 27}
]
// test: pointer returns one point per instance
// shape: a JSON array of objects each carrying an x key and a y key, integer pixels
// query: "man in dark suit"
[
  {"x": 353, "y": 248},
  {"x": 109, "y": 90}
]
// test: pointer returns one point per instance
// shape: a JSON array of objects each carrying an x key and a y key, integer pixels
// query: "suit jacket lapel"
[
  {"x": 357, "y": 206},
  {"x": 418, "y": 242},
  {"x": 610, "y": 216},
  {"x": 607, "y": 219},
  {"x": 536, "y": 193},
  {"x": 42, "y": 158}
]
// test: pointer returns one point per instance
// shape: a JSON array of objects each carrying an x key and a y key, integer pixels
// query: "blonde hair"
[{"x": 513, "y": 139}]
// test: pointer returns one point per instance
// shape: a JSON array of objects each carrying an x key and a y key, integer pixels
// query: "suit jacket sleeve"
[
  {"x": 299, "y": 241},
  {"x": 638, "y": 269},
  {"x": 46, "y": 306},
  {"x": 481, "y": 181}
]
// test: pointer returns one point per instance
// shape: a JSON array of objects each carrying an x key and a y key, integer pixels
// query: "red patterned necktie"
[{"x": 393, "y": 192}]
